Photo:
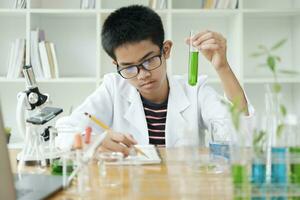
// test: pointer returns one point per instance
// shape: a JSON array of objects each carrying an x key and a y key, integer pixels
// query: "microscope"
[{"x": 34, "y": 120}]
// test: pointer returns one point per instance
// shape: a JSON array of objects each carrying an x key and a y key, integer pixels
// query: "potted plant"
[
  {"x": 274, "y": 90},
  {"x": 238, "y": 148},
  {"x": 275, "y": 117}
]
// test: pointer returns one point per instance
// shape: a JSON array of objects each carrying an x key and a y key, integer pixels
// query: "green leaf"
[
  {"x": 271, "y": 63},
  {"x": 235, "y": 111},
  {"x": 264, "y": 48},
  {"x": 276, "y": 87},
  {"x": 283, "y": 110},
  {"x": 259, "y": 137},
  {"x": 277, "y": 58},
  {"x": 278, "y": 44},
  {"x": 291, "y": 72},
  {"x": 257, "y": 54},
  {"x": 279, "y": 130},
  {"x": 236, "y": 121},
  {"x": 7, "y": 130}
]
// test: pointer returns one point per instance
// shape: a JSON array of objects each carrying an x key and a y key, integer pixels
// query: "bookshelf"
[{"x": 82, "y": 61}]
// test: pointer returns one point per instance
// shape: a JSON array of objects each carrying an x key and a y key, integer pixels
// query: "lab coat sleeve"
[
  {"x": 99, "y": 104},
  {"x": 213, "y": 109},
  {"x": 210, "y": 104}
]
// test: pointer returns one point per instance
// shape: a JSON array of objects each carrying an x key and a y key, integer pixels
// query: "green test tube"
[{"x": 193, "y": 63}]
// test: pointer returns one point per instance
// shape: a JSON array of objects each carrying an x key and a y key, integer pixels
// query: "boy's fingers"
[
  {"x": 102, "y": 149},
  {"x": 116, "y": 147},
  {"x": 209, "y": 47},
  {"x": 208, "y": 41},
  {"x": 199, "y": 34},
  {"x": 120, "y": 138},
  {"x": 118, "y": 142},
  {"x": 131, "y": 138}
]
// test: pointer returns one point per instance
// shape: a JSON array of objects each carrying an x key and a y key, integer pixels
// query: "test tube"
[
  {"x": 78, "y": 147},
  {"x": 193, "y": 61}
]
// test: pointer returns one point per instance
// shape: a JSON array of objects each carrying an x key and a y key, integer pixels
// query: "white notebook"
[{"x": 149, "y": 150}]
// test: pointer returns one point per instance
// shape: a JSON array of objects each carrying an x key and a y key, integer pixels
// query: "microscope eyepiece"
[
  {"x": 35, "y": 98},
  {"x": 29, "y": 77}
]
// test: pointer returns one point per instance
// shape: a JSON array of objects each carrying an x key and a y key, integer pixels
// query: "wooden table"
[{"x": 175, "y": 178}]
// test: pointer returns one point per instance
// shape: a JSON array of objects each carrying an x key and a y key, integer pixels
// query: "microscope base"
[{"x": 30, "y": 158}]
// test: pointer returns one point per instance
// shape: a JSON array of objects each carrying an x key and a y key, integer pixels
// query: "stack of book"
[
  {"x": 19, "y": 4},
  {"x": 157, "y": 4},
  {"x": 42, "y": 56},
  {"x": 16, "y": 58},
  {"x": 87, "y": 4},
  {"x": 219, "y": 4}
]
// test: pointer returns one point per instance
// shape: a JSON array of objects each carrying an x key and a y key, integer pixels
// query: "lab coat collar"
[{"x": 177, "y": 103}]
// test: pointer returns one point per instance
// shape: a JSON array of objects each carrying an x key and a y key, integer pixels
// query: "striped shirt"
[{"x": 156, "y": 115}]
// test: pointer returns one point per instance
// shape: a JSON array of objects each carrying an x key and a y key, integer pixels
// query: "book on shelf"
[
  {"x": 44, "y": 59},
  {"x": 35, "y": 37},
  {"x": 155, "y": 4},
  {"x": 220, "y": 4},
  {"x": 16, "y": 59},
  {"x": 215, "y": 3},
  {"x": 208, "y": 4},
  {"x": 53, "y": 53},
  {"x": 87, "y": 4},
  {"x": 48, "y": 59},
  {"x": 233, "y": 4},
  {"x": 19, "y": 4}
]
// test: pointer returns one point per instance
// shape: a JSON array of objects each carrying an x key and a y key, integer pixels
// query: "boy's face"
[{"x": 147, "y": 82}]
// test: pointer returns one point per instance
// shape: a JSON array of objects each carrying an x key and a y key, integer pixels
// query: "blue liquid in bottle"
[
  {"x": 259, "y": 178},
  {"x": 279, "y": 169}
]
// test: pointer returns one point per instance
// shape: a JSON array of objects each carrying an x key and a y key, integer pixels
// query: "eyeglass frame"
[{"x": 139, "y": 66}]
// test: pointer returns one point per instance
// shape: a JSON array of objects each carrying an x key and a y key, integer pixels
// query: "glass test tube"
[{"x": 193, "y": 62}]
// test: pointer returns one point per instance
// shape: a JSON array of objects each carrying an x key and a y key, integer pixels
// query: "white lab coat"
[{"x": 118, "y": 104}]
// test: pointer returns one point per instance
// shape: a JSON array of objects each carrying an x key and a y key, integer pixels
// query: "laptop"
[{"x": 31, "y": 186}]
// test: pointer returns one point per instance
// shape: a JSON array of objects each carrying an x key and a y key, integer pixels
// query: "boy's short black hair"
[{"x": 130, "y": 25}]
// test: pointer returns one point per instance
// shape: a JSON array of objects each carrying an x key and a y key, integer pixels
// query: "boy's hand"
[
  {"x": 213, "y": 46},
  {"x": 117, "y": 142}
]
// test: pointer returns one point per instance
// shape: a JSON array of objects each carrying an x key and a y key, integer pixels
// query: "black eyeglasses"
[{"x": 133, "y": 70}]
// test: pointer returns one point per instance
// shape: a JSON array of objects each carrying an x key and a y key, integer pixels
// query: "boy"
[{"x": 142, "y": 104}]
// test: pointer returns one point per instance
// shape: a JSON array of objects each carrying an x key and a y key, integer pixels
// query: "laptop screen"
[{"x": 7, "y": 187}]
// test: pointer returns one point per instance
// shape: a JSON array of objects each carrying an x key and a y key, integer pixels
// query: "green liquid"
[
  {"x": 240, "y": 182},
  {"x": 193, "y": 67},
  {"x": 239, "y": 174},
  {"x": 57, "y": 168},
  {"x": 295, "y": 166}
]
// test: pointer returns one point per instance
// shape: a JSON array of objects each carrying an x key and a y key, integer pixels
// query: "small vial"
[
  {"x": 77, "y": 141},
  {"x": 88, "y": 132},
  {"x": 193, "y": 62}
]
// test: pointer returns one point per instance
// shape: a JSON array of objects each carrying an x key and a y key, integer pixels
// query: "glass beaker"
[{"x": 110, "y": 168}]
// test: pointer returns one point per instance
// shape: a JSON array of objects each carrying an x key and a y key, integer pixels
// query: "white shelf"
[
  {"x": 58, "y": 80},
  {"x": 206, "y": 12},
  {"x": 269, "y": 12},
  {"x": 271, "y": 4},
  {"x": 12, "y": 12},
  {"x": 63, "y": 11},
  {"x": 270, "y": 80},
  {"x": 82, "y": 61}
]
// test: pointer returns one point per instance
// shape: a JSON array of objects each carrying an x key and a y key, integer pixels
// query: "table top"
[{"x": 179, "y": 176}]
